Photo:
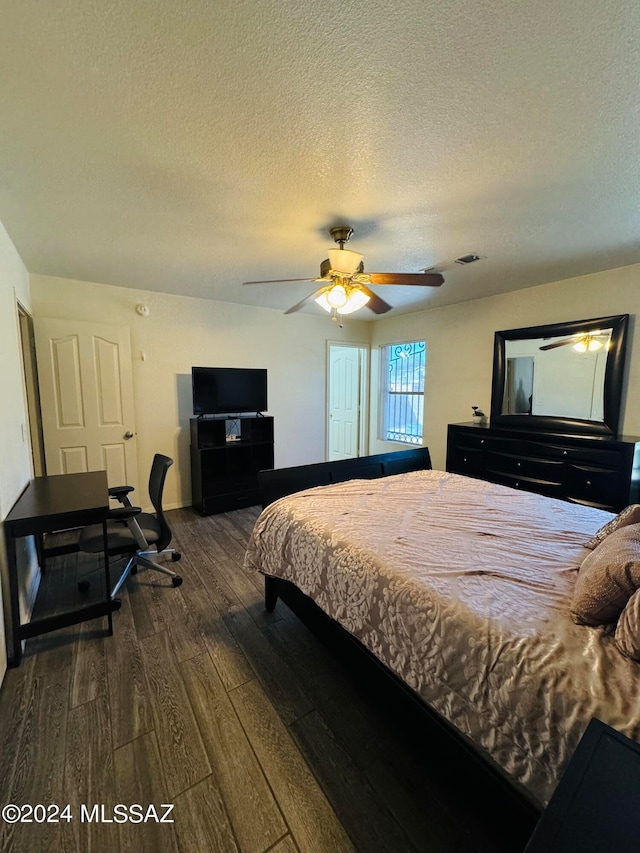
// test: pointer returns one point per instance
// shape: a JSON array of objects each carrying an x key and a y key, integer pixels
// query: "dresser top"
[{"x": 548, "y": 435}]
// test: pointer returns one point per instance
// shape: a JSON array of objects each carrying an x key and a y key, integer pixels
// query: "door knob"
[{"x": 128, "y": 434}]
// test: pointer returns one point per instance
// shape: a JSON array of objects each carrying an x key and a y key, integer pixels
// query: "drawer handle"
[
  {"x": 517, "y": 485},
  {"x": 465, "y": 459},
  {"x": 564, "y": 452},
  {"x": 482, "y": 441},
  {"x": 518, "y": 464},
  {"x": 588, "y": 482}
]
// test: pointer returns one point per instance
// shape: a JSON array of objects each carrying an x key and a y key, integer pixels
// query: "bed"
[{"x": 463, "y": 593}]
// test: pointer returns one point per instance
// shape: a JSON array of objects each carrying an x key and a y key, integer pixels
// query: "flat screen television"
[{"x": 228, "y": 390}]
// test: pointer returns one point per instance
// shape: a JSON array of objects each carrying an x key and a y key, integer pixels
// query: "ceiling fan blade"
[
  {"x": 422, "y": 278},
  {"x": 299, "y": 305},
  {"x": 559, "y": 344},
  {"x": 279, "y": 280},
  {"x": 377, "y": 305}
]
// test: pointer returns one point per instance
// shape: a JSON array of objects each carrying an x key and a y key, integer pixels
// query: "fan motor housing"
[{"x": 341, "y": 233}]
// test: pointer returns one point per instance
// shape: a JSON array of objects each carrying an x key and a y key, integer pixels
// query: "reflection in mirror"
[
  {"x": 518, "y": 392},
  {"x": 557, "y": 376},
  {"x": 562, "y": 376}
]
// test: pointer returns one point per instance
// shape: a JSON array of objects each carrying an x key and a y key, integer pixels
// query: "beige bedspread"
[{"x": 462, "y": 588}]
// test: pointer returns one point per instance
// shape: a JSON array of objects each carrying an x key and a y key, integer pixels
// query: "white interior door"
[
  {"x": 344, "y": 397},
  {"x": 86, "y": 396}
]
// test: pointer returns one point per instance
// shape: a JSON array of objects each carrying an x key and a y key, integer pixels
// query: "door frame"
[{"x": 363, "y": 395}]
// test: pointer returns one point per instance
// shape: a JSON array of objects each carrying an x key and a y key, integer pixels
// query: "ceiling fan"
[
  {"x": 345, "y": 286},
  {"x": 584, "y": 342}
]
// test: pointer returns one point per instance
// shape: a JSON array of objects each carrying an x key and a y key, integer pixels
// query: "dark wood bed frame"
[{"x": 476, "y": 777}]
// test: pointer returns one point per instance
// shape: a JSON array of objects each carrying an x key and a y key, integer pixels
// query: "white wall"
[
  {"x": 15, "y": 460},
  {"x": 181, "y": 332},
  {"x": 460, "y": 346}
]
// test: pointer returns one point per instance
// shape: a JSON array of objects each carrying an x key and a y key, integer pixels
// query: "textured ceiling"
[{"x": 188, "y": 145}]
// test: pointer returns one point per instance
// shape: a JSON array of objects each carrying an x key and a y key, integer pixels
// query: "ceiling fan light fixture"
[
  {"x": 333, "y": 298},
  {"x": 343, "y": 300},
  {"x": 344, "y": 261},
  {"x": 588, "y": 344},
  {"x": 337, "y": 296},
  {"x": 322, "y": 302},
  {"x": 356, "y": 299}
]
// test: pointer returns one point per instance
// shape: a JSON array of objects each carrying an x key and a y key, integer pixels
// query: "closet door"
[{"x": 86, "y": 396}]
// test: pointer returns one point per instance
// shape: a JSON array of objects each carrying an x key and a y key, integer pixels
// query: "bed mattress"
[{"x": 462, "y": 588}]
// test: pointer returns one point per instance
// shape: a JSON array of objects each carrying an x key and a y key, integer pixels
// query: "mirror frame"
[{"x": 613, "y": 376}]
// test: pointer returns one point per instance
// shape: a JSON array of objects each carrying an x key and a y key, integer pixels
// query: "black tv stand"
[{"x": 227, "y": 452}]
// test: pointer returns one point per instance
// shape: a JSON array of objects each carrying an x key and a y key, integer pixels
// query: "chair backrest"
[{"x": 159, "y": 468}]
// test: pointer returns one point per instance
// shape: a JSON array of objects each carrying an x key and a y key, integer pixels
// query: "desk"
[{"x": 47, "y": 504}]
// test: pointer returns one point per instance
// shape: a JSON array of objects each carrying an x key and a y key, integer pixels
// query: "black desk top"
[{"x": 61, "y": 495}]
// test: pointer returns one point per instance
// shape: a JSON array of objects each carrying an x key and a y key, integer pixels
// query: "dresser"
[{"x": 598, "y": 471}]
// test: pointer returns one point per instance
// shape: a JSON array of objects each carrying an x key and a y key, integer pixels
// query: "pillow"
[
  {"x": 627, "y": 637},
  {"x": 607, "y": 579},
  {"x": 630, "y": 515}
]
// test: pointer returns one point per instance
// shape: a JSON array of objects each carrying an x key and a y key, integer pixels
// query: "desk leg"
[
  {"x": 107, "y": 574},
  {"x": 14, "y": 655}
]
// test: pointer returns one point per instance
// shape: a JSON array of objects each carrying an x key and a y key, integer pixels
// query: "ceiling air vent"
[{"x": 463, "y": 260}]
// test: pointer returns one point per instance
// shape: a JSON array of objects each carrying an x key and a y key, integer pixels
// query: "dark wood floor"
[{"x": 201, "y": 699}]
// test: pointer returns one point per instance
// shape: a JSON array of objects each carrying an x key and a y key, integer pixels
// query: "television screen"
[{"x": 228, "y": 390}]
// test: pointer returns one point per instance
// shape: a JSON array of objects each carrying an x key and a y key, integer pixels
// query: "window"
[{"x": 403, "y": 391}]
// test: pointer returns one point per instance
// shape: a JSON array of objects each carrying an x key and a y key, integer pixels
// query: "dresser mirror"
[{"x": 564, "y": 377}]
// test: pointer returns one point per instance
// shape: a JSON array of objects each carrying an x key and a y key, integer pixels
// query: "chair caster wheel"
[
  {"x": 176, "y": 581},
  {"x": 134, "y": 570},
  {"x": 83, "y": 586},
  {"x": 176, "y": 556},
  {"x": 116, "y": 604}
]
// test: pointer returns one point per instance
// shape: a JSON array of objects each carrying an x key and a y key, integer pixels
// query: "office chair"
[{"x": 132, "y": 533}]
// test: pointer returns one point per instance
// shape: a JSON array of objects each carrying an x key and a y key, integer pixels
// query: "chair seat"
[{"x": 118, "y": 534}]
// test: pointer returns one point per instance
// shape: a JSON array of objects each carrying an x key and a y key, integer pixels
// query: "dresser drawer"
[
  {"x": 528, "y": 484},
  {"x": 468, "y": 461},
  {"x": 526, "y": 466},
  {"x": 471, "y": 440},
  {"x": 595, "y": 485},
  {"x": 593, "y": 456}
]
